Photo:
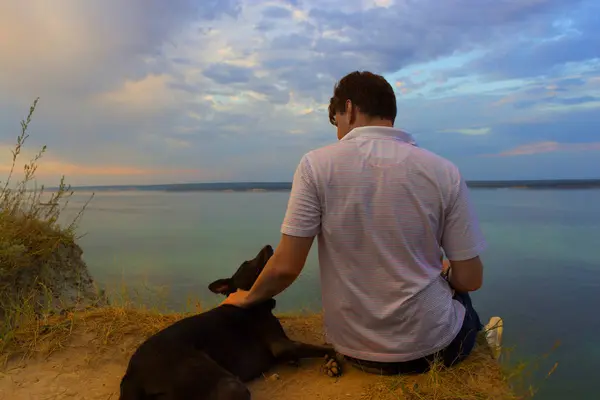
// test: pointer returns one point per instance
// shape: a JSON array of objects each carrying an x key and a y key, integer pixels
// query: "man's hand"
[{"x": 238, "y": 299}]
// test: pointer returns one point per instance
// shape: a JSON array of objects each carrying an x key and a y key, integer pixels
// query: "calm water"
[{"x": 542, "y": 271}]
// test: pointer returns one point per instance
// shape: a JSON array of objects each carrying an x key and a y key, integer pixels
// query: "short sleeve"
[
  {"x": 462, "y": 238},
  {"x": 303, "y": 214}
]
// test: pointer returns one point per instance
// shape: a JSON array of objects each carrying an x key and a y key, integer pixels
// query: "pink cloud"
[
  {"x": 547, "y": 147},
  {"x": 58, "y": 167},
  {"x": 505, "y": 100},
  {"x": 594, "y": 80}
]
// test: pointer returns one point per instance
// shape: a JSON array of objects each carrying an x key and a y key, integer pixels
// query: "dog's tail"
[{"x": 130, "y": 389}]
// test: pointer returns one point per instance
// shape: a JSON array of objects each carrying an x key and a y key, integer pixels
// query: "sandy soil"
[{"x": 84, "y": 370}]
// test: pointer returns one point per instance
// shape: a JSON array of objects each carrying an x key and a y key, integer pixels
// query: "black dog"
[{"x": 208, "y": 356}]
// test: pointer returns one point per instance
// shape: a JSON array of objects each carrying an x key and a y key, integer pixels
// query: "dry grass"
[
  {"x": 120, "y": 328},
  {"x": 103, "y": 330},
  {"x": 479, "y": 377},
  {"x": 27, "y": 333}
]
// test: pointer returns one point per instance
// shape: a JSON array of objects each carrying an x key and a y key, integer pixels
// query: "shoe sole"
[{"x": 493, "y": 335}]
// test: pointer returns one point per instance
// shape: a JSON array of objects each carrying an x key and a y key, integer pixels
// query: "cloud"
[
  {"x": 277, "y": 12},
  {"x": 226, "y": 74},
  {"x": 72, "y": 47},
  {"x": 558, "y": 103},
  {"x": 556, "y": 42},
  {"x": 51, "y": 168},
  {"x": 150, "y": 92},
  {"x": 470, "y": 131},
  {"x": 549, "y": 147},
  {"x": 239, "y": 90}
]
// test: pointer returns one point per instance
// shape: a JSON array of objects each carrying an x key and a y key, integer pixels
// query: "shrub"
[{"x": 29, "y": 214}]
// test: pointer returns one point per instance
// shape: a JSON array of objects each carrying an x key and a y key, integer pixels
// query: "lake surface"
[{"x": 542, "y": 270}]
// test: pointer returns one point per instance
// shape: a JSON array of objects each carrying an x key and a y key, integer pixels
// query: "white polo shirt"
[{"x": 382, "y": 208}]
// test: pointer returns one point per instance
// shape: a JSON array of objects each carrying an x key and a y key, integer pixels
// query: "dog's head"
[{"x": 245, "y": 276}]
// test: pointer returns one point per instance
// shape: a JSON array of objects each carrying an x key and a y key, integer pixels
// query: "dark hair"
[{"x": 370, "y": 92}]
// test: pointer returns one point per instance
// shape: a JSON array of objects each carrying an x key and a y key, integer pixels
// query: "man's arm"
[
  {"x": 463, "y": 241},
  {"x": 466, "y": 275},
  {"x": 302, "y": 222},
  {"x": 282, "y": 269}
]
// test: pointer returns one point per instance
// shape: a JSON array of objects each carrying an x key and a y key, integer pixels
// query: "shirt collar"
[{"x": 380, "y": 132}]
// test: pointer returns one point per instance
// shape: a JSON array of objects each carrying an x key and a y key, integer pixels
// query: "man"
[{"x": 383, "y": 209}]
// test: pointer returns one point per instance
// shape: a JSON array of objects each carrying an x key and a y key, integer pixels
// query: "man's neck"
[
  {"x": 371, "y": 122},
  {"x": 386, "y": 123},
  {"x": 375, "y": 123}
]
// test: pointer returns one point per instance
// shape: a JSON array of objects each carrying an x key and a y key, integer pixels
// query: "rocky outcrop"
[{"x": 57, "y": 283}]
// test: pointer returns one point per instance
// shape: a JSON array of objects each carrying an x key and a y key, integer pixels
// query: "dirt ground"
[{"x": 86, "y": 368}]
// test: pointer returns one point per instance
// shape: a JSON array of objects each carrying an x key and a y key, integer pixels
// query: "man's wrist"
[
  {"x": 252, "y": 299},
  {"x": 268, "y": 286}
]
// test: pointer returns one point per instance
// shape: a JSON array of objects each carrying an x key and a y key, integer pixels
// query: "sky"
[{"x": 151, "y": 91}]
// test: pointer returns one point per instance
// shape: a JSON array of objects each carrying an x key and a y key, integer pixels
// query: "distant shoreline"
[{"x": 286, "y": 186}]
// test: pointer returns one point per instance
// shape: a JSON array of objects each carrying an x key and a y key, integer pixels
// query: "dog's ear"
[{"x": 221, "y": 286}]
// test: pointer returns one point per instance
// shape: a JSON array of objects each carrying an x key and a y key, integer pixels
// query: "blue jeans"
[{"x": 455, "y": 352}]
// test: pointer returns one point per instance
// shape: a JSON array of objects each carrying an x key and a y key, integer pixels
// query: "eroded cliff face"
[{"x": 56, "y": 283}]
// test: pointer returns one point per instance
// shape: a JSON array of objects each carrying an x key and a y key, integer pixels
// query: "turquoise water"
[{"x": 542, "y": 273}]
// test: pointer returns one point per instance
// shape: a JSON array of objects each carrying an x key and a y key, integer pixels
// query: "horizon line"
[{"x": 493, "y": 182}]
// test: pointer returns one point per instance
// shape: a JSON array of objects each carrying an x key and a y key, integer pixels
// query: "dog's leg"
[
  {"x": 292, "y": 351},
  {"x": 199, "y": 377},
  {"x": 230, "y": 389},
  {"x": 332, "y": 365},
  {"x": 271, "y": 332},
  {"x": 130, "y": 389}
]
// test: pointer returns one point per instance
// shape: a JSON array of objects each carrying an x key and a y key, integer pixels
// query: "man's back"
[{"x": 386, "y": 208}]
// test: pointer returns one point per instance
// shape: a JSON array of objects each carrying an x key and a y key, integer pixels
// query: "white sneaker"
[{"x": 493, "y": 335}]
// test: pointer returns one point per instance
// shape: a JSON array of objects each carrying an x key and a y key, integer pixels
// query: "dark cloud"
[
  {"x": 530, "y": 61},
  {"x": 548, "y": 52},
  {"x": 227, "y": 74},
  {"x": 186, "y": 87},
  {"x": 564, "y": 127},
  {"x": 578, "y": 100},
  {"x": 292, "y": 41},
  {"x": 569, "y": 82},
  {"x": 568, "y": 101},
  {"x": 265, "y": 26},
  {"x": 276, "y": 12},
  {"x": 181, "y": 61},
  {"x": 303, "y": 80},
  {"x": 424, "y": 30},
  {"x": 385, "y": 40},
  {"x": 274, "y": 94}
]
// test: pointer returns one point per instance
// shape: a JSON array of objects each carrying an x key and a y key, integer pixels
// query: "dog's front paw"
[{"x": 331, "y": 367}]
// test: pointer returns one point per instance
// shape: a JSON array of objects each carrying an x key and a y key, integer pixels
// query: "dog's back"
[
  {"x": 201, "y": 354},
  {"x": 194, "y": 377}
]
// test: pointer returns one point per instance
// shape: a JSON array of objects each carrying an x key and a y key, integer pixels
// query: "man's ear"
[{"x": 221, "y": 286}]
